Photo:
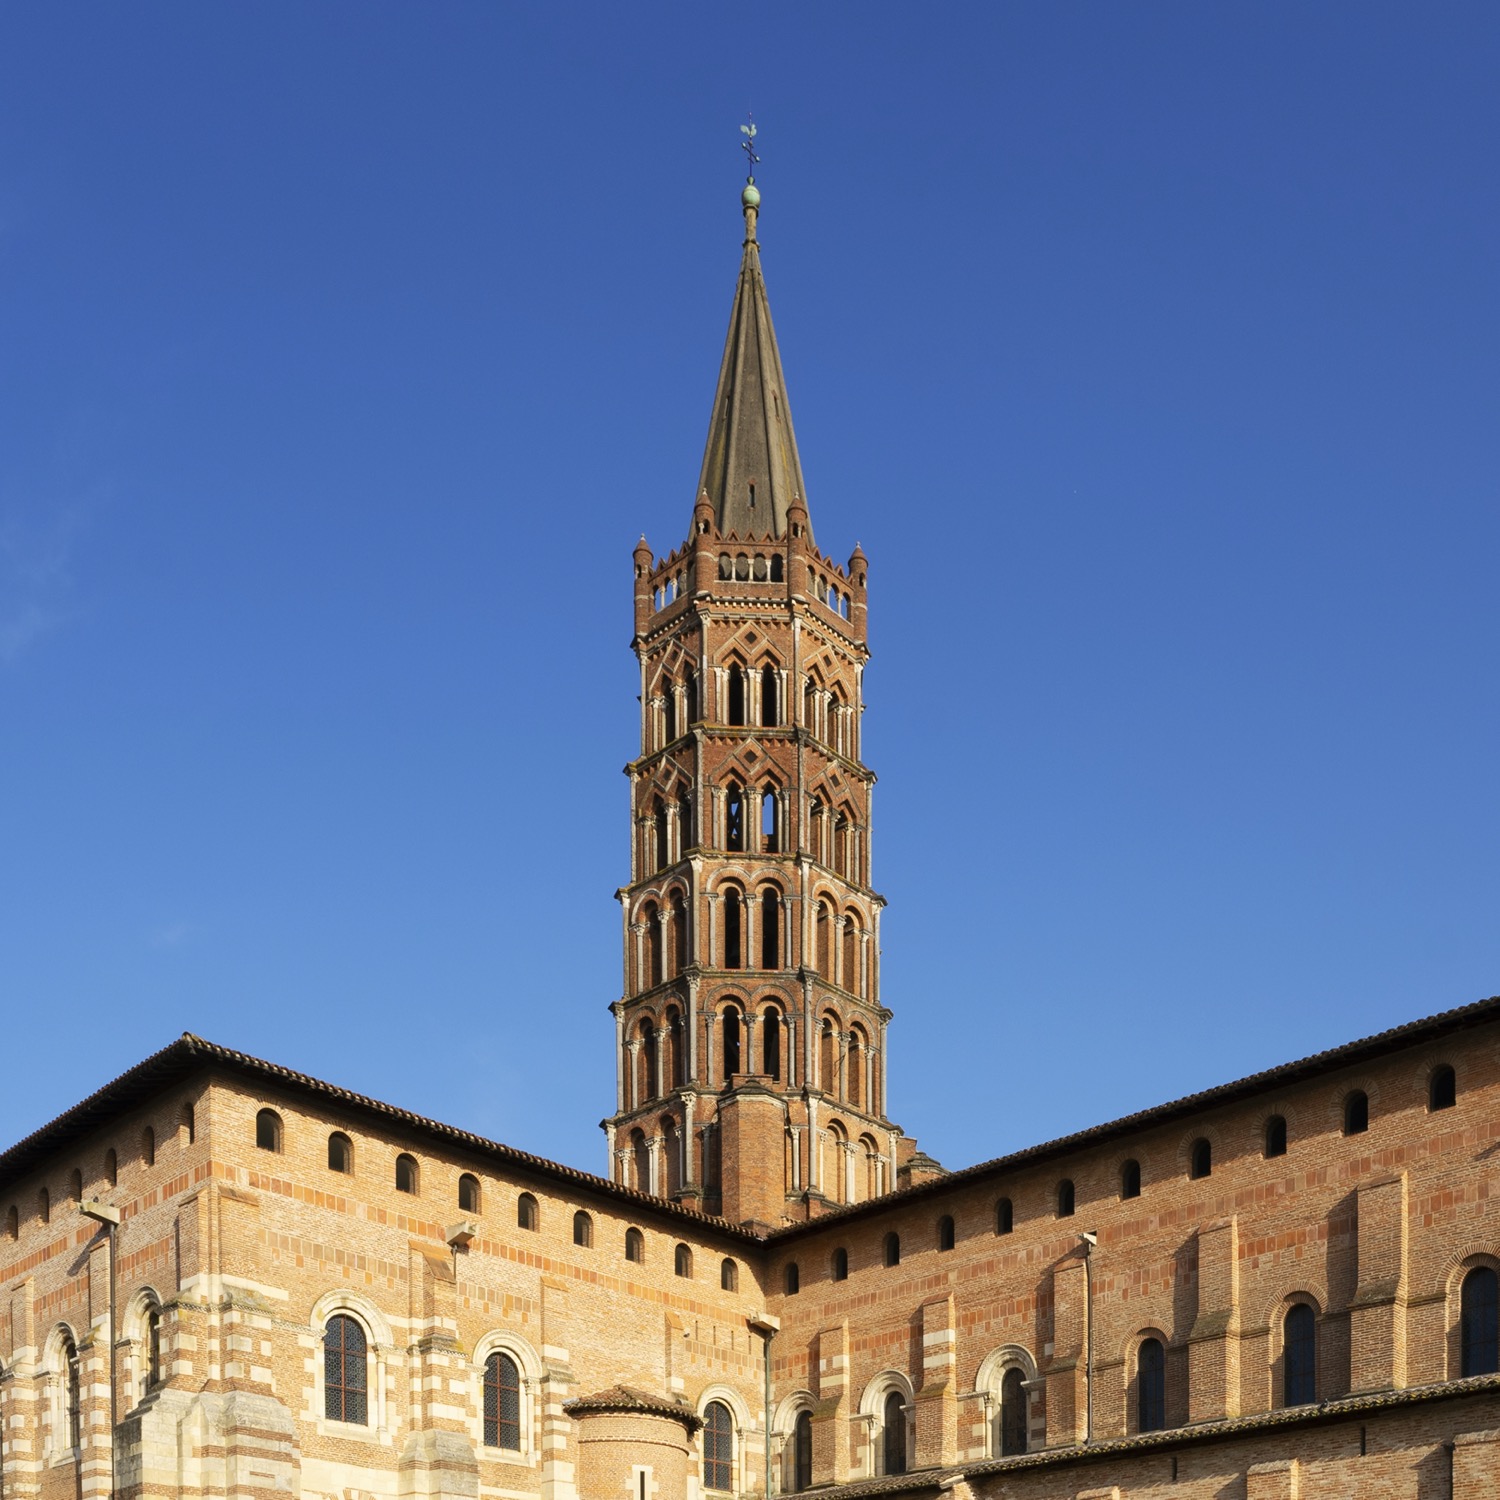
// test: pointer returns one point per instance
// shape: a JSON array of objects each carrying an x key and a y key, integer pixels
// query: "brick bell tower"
[{"x": 750, "y": 1037}]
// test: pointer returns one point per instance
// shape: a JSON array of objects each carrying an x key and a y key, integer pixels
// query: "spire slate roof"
[{"x": 751, "y": 469}]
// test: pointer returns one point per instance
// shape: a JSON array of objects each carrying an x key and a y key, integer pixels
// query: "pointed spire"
[{"x": 751, "y": 471}]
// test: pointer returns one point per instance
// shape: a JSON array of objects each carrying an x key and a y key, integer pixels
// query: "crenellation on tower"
[{"x": 752, "y": 1037}]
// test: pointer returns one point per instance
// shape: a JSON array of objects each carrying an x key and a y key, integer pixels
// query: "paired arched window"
[
  {"x": 682, "y": 1261},
  {"x": 1276, "y": 1136},
  {"x": 718, "y": 1447},
  {"x": 267, "y": 1131},
  {"x": 1014, "y": 1412},
  {"x": 468, "y": 1193},
  {"x": 1299, "y": 1356},
  {"x": 945, "y": 1234},
  {"x": 635, "y": 1246},
  {"x": 841, "y": 1264},
  {"x": 1479, "y": 1323},
  {"x": 1200, "y": 1158},
  {"x": 345, "y": 1371},
  {"x": 892, "y": 1246},
  {"x": 1442, "y": 1088},
  {"x": 802, "y": 1452},
  {"x": 526, "y": 1212},
  {"x": 502, "y": 1403},
  {"x": 1356, "y": 1112},
  {"x": 1130, "y": 1179},
  {"x": 729, "y": 1275},
  {"x": 340, "y": 1153},
  {"x": 1151, "y": 1386},
  {"x": 792, "y": 1278},
  {"x": 1005, "y": 1217},
  {"x": 893, "y": 1434},
  {"x": 583, "y": 1230},
  {"x": 1065, "y": 1198},
  {"x": 406, "y": 1173}
]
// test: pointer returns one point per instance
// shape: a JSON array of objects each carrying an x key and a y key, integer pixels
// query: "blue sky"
[{"x": 1152, "y": 353}]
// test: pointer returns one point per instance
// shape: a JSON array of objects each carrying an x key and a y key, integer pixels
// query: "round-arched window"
[
  {"x": 502, "y": 1403},
  {"x": 345, "y": 1376},
  {"x": 718, "y": 1447}
]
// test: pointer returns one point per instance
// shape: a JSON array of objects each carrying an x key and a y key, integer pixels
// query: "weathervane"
[{"x": 748, "y": 144}]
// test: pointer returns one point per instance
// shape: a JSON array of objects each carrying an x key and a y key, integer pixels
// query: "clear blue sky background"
[{"x": 1152, "y": 352}]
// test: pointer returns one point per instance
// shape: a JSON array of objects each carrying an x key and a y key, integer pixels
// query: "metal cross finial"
[{"x": 748, "y": 144}]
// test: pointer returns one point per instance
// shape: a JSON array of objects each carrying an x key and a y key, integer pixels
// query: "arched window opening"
[
  {"x": 825, "y": 941},
  {"x": 663, "y": 847},
  {"x": 468, "y": 1193},
  {"x": 1014, "y": 1415},
  {"x": 892, "y": 1246},
  {"x": 770, "y": 697},
  {"x": 945, "y": 1234},
  {"x": 894, "y": 1434},
  {"x": 640, "y": 1161},
  {"x": 1299, "y": 1356},
  {"x": 690, "y": 697},
  {"x": 345, "y": 1373},
  {"x": 1005, "y": 1219},
  {"x": 718, "y": 1447},
  {"x": 1479, "y": 1323},
  {"x": 44, "y": 1206},
  {"x": 682, "y": 1261},
  {"x": 1130, "y": 1179},
  {"x": 12, "y": 1223},
  {"x": 406, "y": 1173},
  {"x": 770, "y": 1043},
  {"x": 770, "y": 820},
  {"x": 841, "y": 1264},
  {"x": 731, "y": 1043},
  {"x": 828, "y": 1075},
  {"x": 669, "y": 729},
  {"x": 148, "y": 1146},
  {"x": 687, "y": 832},
  {"x": 851, "y": 956},
  {"x": 792, "y": 1278},
  {"x": 527, "y": 1216},
  {"x": 729, "y": 1275},
  {"x": 267, "y": 1130},
  {"x": 736, "y": 696},
  {"x": 111, "y": 1167},
  {"x": 72, "y": 1393},
  {"x": 1356, "y": 1113},
  {"x": 734, "y": 819},
  {"x": 153, "y": 1346},
  {"x": 770, "y": 929},
  {"x": 75, "y": 1185},
  {"x": 672, "y": 1042},
  {"x": 189, "y": 1123},
  {"x": 651, "y": 917},
  {"x": 502, "y": 1403},
  {"x": 635, "y": 1246},
  {"x": 583, "y": 1230},
  {"x": 1200, "y": 1158},
  {"x": 1276, "y": 1136},
  {"x": 854, "y": 1067},
  {"x": 1151, "y": 1386},
  {"x": 734, "y": 919},
  {"x": 802, "y": 1442},
  {"x": 679, "y": 933},
  {"x": 649, "y": 1055},
  {"x": 1442, "y": 1088},
  {"x": 1065, "y": 1199},
  {"x": 340, "y": 1153}
]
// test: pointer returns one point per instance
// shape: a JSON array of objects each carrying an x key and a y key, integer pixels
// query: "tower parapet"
[{"x": 751, "y": 1039}]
